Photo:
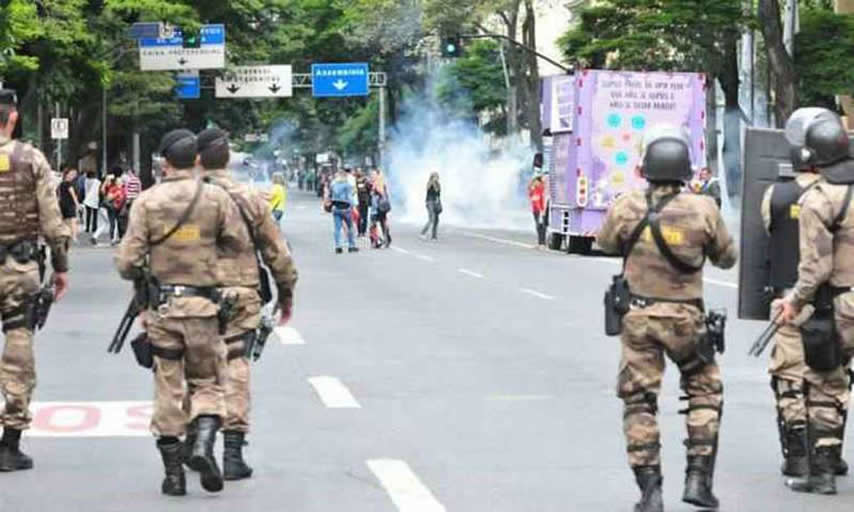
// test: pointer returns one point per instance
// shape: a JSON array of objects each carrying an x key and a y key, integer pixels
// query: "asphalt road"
[{"x": 466, "y": 375}]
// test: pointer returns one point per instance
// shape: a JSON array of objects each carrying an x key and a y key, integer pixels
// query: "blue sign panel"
[
  {"x": 188, "y": 87},
  {"x": 213, "y": 35},
  {"x": 339, "y": 80}
]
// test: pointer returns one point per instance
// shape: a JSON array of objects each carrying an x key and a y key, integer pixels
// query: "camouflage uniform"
[
  {"x": 186, "y": 326},
  {"x": 239, "y": 273},
  {"x": 28, "y": 208},
  {"x": 692, "y": 227},
  {"x": 826, "y": 256}
]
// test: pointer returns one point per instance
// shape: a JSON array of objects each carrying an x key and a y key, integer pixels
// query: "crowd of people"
[{"x": 355, "y": 198}]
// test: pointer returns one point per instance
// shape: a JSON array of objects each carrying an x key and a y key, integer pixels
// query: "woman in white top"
[{"x": 91, "y": 201}]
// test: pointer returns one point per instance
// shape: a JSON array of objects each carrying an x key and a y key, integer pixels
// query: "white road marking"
[
  {"x": 518, "y": 398},
  {"x": 289, "y": 336},
  {"x": 400, "y": 250},
  {"x": 424, "y": 258},
  {"x": 720, "y": 283},
  {"x": 537, "y": 294},
  {"x": 469, "y": 273},
  {"x": 333, "y": 393},
  {"x": 403, "y": 486},
  {"x": 91, "y": 419},
  {"x": 500, "y": 240}
]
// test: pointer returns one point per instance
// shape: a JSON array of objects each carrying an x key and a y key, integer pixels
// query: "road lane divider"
[
  {"x": 424, "y": 258},
  {"x": 333, "y": 393},
  {"x": 403, "y": 486},
  {"x": 535, "y": 293},
  {"x": 399, "y": 249},
  {"x": 498, "y": 240},
  {"x": 470, "y": 273},
  {"x": 289, "y": 336}
]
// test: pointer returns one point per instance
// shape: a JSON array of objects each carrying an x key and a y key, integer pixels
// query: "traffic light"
[
  {"x": 452, "y": 47},
  {"x": 192, "y": 38}
]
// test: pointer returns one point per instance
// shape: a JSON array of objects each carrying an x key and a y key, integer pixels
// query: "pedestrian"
[
  {"x": 26, "y": 188},
  {"x": 180, "y": 227},
  {"x": 434, "y": 206},
  {"x": 103, "y": 217},
  {"x": 706, "y": 185},
  {"x": 380, "y": 206},
  {"x": 363, "y": 193},
  {"x": 824, "y": 285},
  {"x": 665, "y": 314},
  {"x": 91, "y": 200},
  {"x": 341, "y": 196},
  {"x": 68, "y": 202},
  {"x": 537, "y": 196},
  {"x": 787, "y": 366},
  {"x": 278, "y": 197},
  {"x": 240, "y": 277},
  {"x": 114, "y": 201}
]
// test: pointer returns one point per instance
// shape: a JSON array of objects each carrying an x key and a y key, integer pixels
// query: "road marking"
[
  {"x": 469, "y": 273},
  {"x": 537, "y": 294},
  {"x": 289, "y": 336},
  {"x": 403, "y": 486},
  {"x": 720, "y": 283},
  {"x": 518, "y": 398},
  {"x": 424, "y": 258},
  {"x": 333, "y": 393},
  {"x": 91, "y": 419},
  {"x": 499, "y": 240},
  {"x": 398, "y": 249}
]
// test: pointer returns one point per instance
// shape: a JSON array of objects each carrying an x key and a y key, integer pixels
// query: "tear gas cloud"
[{"x": 481, "y": 187}]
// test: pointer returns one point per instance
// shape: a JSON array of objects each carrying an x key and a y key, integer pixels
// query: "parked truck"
[{"x": 594, "y": 149}]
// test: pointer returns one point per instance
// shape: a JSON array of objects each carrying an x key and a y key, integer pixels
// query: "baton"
[
  {"x": 124, "y": 328},
  {"x": 759, "y": 345}
]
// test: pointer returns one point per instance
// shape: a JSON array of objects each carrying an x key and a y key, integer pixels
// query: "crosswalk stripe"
[
  {"x": 333, "y": 393},
  {"x": 403, "y": 486}
]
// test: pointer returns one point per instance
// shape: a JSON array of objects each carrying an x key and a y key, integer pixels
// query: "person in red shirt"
[{"x": 537, "y": 195}]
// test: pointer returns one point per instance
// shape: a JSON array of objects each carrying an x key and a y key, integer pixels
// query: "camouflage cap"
[
  {"x": 179, "y": 148},
  {"x": 211, "y": 137}
]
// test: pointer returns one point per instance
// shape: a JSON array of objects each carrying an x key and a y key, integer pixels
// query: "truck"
[{"x": 595, "y": 121}]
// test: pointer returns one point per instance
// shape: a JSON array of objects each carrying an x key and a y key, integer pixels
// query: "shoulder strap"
[
  {"x": 644, "y": 222},
  {"x": 655, "y": 228},
  {"x": 246, "y": 220},
  {"x": 184, "y": 216},
  {"x": 837, "y": 221}
]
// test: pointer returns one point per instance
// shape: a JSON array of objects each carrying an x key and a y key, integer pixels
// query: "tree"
[
  {"x": 824, "y": 62},
  {"x": 784, "y": 76}
]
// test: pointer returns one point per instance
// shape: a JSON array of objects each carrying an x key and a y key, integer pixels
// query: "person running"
[
  {"x": 381, "y": 205},
  {"x": 537, "y": 195},
  {"x": 434, "y": 206},
  {"x": 68, "y": 202},
  {"x": 279, "y": 196},
  {"x": 341, "y": 195},
  {"x": 91, "y": 201}
]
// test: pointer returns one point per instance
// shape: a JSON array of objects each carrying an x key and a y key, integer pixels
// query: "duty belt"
[
  {"x": 168, "y": 291},
  {"x": 825, "y": 294},
  {"x": 22, "y": 252},
  {"x": 642, "y": 302}
]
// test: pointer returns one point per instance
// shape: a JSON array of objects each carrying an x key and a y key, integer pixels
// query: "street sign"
[
  {"x": 256, "y": 137},
  {"x": 339, "y": 80},
  {"x": 170, "y": 54},
  {"x": 59, "y": 128},
  {"x": 188, "y": 85},
  {"x": 146, "y": 30},
  {"x": 256, "y": 82}
]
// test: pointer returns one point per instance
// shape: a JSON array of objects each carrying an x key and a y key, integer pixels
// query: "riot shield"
[{"x": 766, "y": 157}]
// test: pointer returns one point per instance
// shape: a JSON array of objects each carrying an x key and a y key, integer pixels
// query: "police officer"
[
  {"x": 179, "y": 228},
  {"x": 239, "y": 273},
  {"x": 664, "y": 235},
  {"x": 28, "y": 209},
  {"x": 825, "y": 278},
  {"x": 780, "y": 212}
]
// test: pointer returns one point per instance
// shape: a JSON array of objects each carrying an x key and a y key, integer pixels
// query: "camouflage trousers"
[
  {"x": 200, "y": 368},
  {"x": 787, "y": 368},
  {"x": 648, "y": 335},
  {"x": 18, "y": 282}
]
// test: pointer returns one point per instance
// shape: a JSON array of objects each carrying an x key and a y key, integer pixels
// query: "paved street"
[{"x": 467, "y": 375}]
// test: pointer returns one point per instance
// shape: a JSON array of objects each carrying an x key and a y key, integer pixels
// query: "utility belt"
[
  {"x": 23, "y": 251},
  {"x": 642, "y": 302},
  {"x": 822, "y": 348},
  {"x": 169, "y": 291}
]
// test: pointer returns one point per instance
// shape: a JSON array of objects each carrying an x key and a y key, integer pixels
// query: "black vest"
[{"x": 784, "y": 249}]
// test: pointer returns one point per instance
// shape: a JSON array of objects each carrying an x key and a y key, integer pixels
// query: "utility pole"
[
  {"x": 512, "y": 106},
  {"x": 381, "y": 141},
  {"x": 58, "y": 146},
  {"x": 790, "y": 25},
  {"x": 103, "y": 130}
]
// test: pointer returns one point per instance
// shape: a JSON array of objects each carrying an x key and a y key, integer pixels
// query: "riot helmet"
[
  {"x": 666, "y": 155},
  {"x": 178, "y": 147},
  {"x": 818, "y": 138}
]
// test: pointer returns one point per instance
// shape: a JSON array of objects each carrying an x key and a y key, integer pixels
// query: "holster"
[
  {"x": 142, "y": 351},
  {"x": 822, "y": 350},
  {"x": 617, "y": 299}
]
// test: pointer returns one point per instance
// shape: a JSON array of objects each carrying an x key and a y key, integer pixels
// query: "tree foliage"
[
  {"x": 474, "y": 84},
  {"x": 823, "y": 57}
]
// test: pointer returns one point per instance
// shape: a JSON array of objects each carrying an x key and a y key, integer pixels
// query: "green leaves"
[{"x": 824, "y": 58}]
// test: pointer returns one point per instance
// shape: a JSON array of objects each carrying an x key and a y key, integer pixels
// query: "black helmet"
[
  {"x": 667, "y": 155},
  {"x": 817, "y": 138}
]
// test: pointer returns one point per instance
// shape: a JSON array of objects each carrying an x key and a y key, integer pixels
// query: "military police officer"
[
  {"x": 664, "y": 236},
  {"x": 178, "y": 229},
  {"x": 28, "y": 209},
  {"x": 239, "y": 273},
  {"x": 780, "y": 213},
  {"x": 825, "y": 280}
]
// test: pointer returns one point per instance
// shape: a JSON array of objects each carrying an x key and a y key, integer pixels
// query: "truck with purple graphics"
[{"x": 596, "y": 120}]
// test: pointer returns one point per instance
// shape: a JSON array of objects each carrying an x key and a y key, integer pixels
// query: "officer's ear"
[
  {"x": 11, "y": 122},
  {"x": 199, "y": 161}
]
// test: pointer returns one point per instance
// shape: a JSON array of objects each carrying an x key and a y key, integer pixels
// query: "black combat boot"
[
  {"x": 171, "y": 450},
  {"x": 699, "y": 473},
  {"x": 233, "y": 465},
  {"x": 187, "y": 445},
  {"x": 796, "y": 461},
  {"x": 649, "y": 481},
  {"x": 11, "y": 456},
  {"x": 821, "y": 479},
  {"x": 202, "y": 457},
  {"x": 840, "y": 467}
]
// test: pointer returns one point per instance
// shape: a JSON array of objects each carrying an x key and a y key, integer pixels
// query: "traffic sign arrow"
[
  {"x": 340, "y": 84},
  {"x": 232, "y": 88},
  {"x": 275, "y": 88},
  {"x": 182, "y": 61}
]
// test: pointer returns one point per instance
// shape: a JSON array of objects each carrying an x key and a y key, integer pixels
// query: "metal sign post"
[{"x": 58, "y": 132}]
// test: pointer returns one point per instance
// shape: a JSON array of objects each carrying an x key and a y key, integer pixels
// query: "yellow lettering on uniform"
[
  {"x": 5, "y": 165},
  {"x": 671, "y": 236},
  {"x": 795, "y": 211},
  {"x": 186, "y": 233}
]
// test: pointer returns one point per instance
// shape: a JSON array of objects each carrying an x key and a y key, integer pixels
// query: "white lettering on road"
[
  {"x": 537, "y": 294},
  {"x": 91, "y": 419},
  {"x": 333, "y": 393},
  {"x": 470, "y": 273},
  {"x": 289, "y": 336},
  {"x": 403, "y": 486}
]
